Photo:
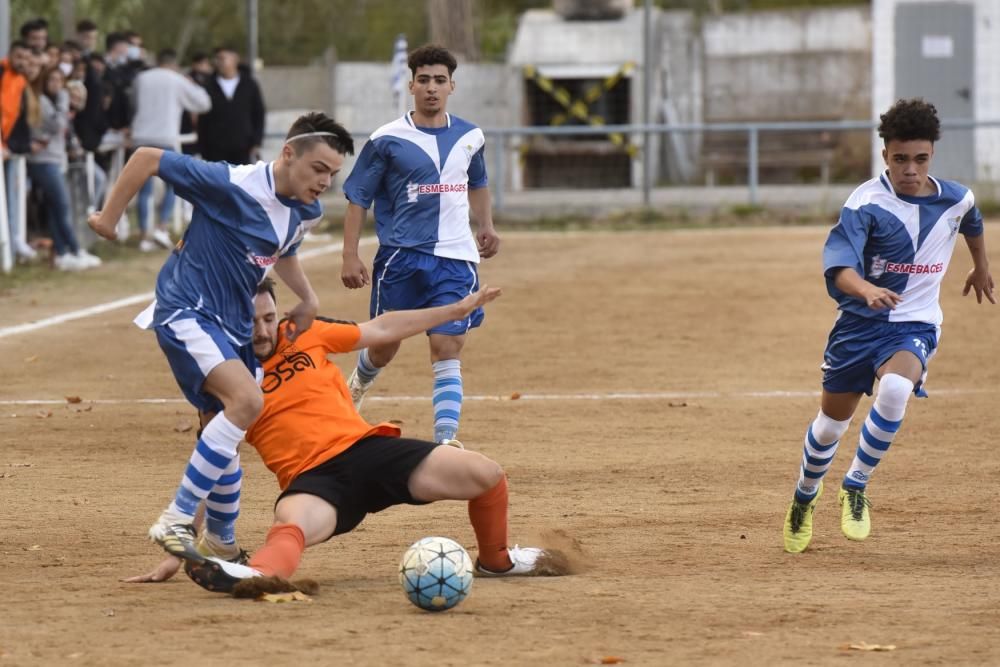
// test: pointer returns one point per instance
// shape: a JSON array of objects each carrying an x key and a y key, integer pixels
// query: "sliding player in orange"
[{"x": 334, "y": 468}]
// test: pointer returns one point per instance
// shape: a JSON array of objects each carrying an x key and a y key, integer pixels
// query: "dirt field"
[{"x": 674, "y": 493}]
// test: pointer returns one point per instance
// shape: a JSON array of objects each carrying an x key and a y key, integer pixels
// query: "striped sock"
[
  {"x": 222, "y": 506},
  {"x": 447, "y": 398},
  {"x": 820, "y": 445},
  {"x": 879, "y": 429},
  {"x": 366, "y": 370},
  {"x": 211, "y": 457}
]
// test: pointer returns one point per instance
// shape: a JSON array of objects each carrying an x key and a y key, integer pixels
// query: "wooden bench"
[{"x": 726, "y": 153}]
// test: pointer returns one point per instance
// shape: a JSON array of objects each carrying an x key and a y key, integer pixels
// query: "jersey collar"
[
  {"x": 887, "y": 184},
  {"x": 409, "y": 120},
  {"x": 269, "y": 174}
]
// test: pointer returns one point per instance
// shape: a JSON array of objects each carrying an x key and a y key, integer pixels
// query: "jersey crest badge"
[{"x": 877, "y": 267}]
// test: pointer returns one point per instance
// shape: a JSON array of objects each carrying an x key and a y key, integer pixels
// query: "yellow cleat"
[
  {"x": 799, "y": 524},
  {"x": 855, "y": 520}
]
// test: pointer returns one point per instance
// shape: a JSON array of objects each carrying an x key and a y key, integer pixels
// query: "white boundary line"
[
  {"x": 611, "y": 396},
  {"x": 145, "y": 297}
]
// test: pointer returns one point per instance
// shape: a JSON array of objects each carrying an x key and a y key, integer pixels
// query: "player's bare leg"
[{"x": 448, "y": 393}]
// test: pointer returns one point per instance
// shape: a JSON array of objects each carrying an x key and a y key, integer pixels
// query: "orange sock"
[
  {"x": 488, "y": 514},
  {"x": 281, "y": 552}
]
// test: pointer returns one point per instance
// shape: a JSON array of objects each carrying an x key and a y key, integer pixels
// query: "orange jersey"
[{"x": 308, "y": 415}]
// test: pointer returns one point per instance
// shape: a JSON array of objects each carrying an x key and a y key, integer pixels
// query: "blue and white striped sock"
[
  {"x": 879, "y": 429},
  {"x": 447, "y": 398},
  {"x": 819, "y": 448},
  {"x": 211, "y": 457},
  {"x": 366, "y": 370},
  {"x": 222, "y": 506}
]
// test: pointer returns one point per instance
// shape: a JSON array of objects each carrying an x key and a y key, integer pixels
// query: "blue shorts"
[
  {"x": 858, "y": 346},
  {"x": 405, "y": 279},
  {"x": 194, "y": 346}
]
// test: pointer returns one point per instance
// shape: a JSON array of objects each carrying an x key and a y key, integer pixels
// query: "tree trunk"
[{"x": 452, "y": 27}]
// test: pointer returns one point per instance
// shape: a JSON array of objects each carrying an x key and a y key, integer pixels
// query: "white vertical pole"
[
  {"x": 6, "y": 246},
  {"x": 21, "y": 192}
]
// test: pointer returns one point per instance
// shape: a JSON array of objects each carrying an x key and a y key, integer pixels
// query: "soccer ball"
[{"x": 436, "y": 573}]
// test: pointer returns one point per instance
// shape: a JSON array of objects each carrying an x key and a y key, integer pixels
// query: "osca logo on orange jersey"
[{"x": 285, "y": 370}]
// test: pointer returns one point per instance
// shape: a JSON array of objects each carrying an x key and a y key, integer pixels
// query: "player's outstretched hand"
[
  {"x": 102, "y": 229},
  {"x": 167, "y": 568},
  {"x": 300, "y": 319},
  {"x": 478, "y": 299},
  {"x": 488, "y": 242},
  {"x": 354, "y": 274},
  {"x": 981, "y": 281},
  {"x": 880, "y": 297}
]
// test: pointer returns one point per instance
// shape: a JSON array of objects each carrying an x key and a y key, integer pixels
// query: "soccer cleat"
[
  {"x": 451, "y": 442},
  {"x": 526, "y": 561},
  {"x": 798, "y": 530},
  {"x": 855, "y": 519},
  {"x": 217, "y": 575},
  {"x": 177, "y": 539},
  {"x": 359, "y": 388}
]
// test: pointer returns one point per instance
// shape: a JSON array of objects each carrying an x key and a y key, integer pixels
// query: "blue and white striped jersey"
[
  {"x": 419, "y": 180},
  {"x": 239, "y": 229},
  {"x": 901, "y": 243}
]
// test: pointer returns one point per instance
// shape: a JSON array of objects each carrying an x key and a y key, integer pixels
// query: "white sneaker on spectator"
[
  {"x": 70, "y": 262},
  {"x": 90, "y": 261},
  {"x": 146, "y": 245},
  {"x": 162, "y": 238},
  {"x": 25, "y": 251}
]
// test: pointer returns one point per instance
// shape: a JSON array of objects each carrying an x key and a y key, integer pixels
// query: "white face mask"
[
  {"x": 66, "y": 68},
  {"x": 133, "y": 52}
]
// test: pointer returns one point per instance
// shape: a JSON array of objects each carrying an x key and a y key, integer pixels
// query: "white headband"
[{"x": 310, "y": 134}]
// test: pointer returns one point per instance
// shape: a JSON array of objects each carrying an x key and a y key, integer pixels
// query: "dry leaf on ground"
[
  {"x": 74, "y": 399},
  {"x": 516, "y": 395},
  {"x": 297, "y": 596},
  {"x": 183, "y": 427},
  {"x": 865, "y": 646},
  {"x": 43, "y": 414}
]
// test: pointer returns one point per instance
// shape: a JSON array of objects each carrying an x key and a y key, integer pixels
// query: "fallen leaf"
[
  {"x": 609, "y": 660},
  {"x": 86, "y": 409},
  {"x": 751, "y": 633},
  {"x": 32, "y": 359},
  {"x": 183, "y": 427},
  {"x": 865, "y": 646},
  {"x": 397, "y": 422},
  {"x": 6, "y": 474},
  {"x": 297, "y": 596},
  {"x": 682, "y": 404},
  {"x": 108, "y": 612},
  {"x": 43, "y": 414},
  {"x": 20, "y": 465},
  {"x": 34, "y": 547},
  {"x": 515, "y": 396},
  {"x": 74, "y": 399}
]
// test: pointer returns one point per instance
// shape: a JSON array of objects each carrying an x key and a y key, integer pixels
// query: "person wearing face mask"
[{"x": 119, "y": 78}]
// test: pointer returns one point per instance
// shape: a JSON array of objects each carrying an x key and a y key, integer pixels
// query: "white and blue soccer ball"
[{"x": 436, "y": 573}]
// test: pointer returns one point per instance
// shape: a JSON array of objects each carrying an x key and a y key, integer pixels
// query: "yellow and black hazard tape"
[{"x": 580, "y": 108}]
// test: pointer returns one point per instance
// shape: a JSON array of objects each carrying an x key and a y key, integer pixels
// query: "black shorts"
[{"x": 371, "y": 475}]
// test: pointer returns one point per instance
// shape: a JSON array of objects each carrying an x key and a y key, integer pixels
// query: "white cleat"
[
  {"x": 217, "y": 575},
  {"x": 359, "y": 389},
  {"x": 525, "y": 562}
]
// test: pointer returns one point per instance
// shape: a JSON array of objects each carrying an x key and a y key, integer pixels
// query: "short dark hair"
[
  {"x": 910, "y": 120},
  {"x": 198, "y": 56},
  {"x": 266, "y": 286},
  {"x": 113, "y": 39},
  {"x": 71, "y": 45},
  {"x": 225, "y": 47},
  {"x": 19, "y": 44},
  {"x": 86, "y": 25},
  {"x": 33, "y": 25},
  {"x": 431, "y": 54},
  {"x": 340, "y": 141},
  {"x": 166, "y": 57}
]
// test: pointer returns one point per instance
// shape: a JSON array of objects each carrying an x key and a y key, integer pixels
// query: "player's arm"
[
  {"x": 848, "y": 281},
  {"x": 143, "y": 164},
  {"x": 979, "y": 277},
  {"x": 301, "y": 316},
  {"x": 482, "y": 213},
  {"x": 354, "y": 274},
  {"x": 396, "y": 325}
]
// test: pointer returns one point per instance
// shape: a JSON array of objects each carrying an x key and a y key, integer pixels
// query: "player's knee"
[
  {"x": 895, "y": 388},
  {"x": 826, "y": 429},
  {"x": 245, "y": 407},
  {"x": 488, "y": 473}
]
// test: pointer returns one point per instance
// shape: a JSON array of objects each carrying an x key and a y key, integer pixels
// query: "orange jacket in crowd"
[{"x": 12, "y": 87}]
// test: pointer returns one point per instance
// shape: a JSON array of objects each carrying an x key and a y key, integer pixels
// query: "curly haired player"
[{"x": 884, "y": 262}]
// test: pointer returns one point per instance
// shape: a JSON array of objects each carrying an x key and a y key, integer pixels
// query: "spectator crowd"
[{"x": 61, "y": 103}]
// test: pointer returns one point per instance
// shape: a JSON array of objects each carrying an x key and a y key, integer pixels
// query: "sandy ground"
[{"x": 671, "y": 502}]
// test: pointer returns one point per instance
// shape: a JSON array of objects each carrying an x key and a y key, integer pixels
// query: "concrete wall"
[
  {"x": 987, "y": 78},
  {"x": 788, "y": 65}
]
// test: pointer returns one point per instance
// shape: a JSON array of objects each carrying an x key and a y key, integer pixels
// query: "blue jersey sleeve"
[
  {"x": 845, "y": 245},
  {"x": 204, "y": 184},
  {"x": 366, "y": 176},
  {"x": 972, "y": 223},
  {"x": 477, "y": 169}
]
